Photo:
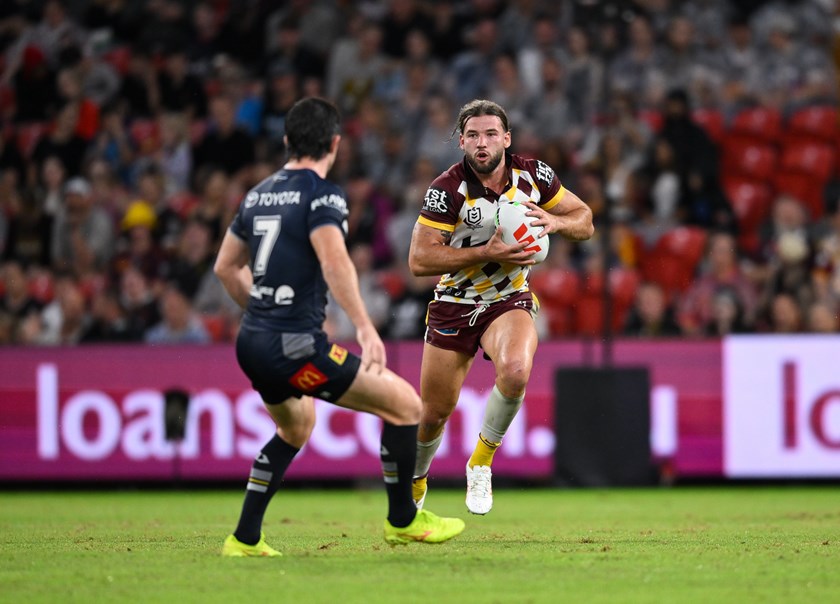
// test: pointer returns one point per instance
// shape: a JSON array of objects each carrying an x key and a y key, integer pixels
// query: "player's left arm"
[
  {"x": 569, "y": 217},
  {"x": 233, "y": 270}
]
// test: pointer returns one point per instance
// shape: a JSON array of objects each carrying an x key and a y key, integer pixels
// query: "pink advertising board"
[{"x": 96, "y": 413}]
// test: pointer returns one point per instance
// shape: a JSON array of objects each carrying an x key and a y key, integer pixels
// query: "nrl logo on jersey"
[
  {"x": 544, "y": 173},
  {"x": 435, "y": 201},
  {"x": 473, "y": 218}
]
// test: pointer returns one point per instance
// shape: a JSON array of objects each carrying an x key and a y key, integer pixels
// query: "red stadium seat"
[
  {"x": 684, "y": 242},
  {"x": 392, "y": 282},
  {"x": 813, "y": 159},
  {"x": 750, "y": 200},
  {"x": 555, "y": 287},
  {"x": 760, "y": 123},
  {"x": 802, "y": 187},
  {"x": 818, "y": 123},
  {"x": 623, "y": 285},
  {"x": 743, "y": 157},
  {"x": 28, "y": 136},
  {"x": 217, "y": 327},
  {"x": 589, "y": 317},
  {"x": 711, "y": 120},
  {"x": 652, "y": 118}
]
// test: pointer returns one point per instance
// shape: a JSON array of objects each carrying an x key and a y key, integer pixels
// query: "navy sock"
[
  {"x": 264, "y": 480},
  {"x": 398, "y": 453}
]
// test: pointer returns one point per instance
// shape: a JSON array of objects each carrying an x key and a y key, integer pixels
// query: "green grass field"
[{"x": 684, "y": 544}]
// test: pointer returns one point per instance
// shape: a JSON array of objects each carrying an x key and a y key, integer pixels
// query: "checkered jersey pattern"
[{"x": 458, "y": 203}]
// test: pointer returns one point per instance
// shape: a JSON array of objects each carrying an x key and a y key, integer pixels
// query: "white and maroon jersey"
[{"x": 458, "y": 203}]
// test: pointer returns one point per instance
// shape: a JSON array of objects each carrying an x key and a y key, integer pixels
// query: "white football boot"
[{"x": 479, "y": 489}]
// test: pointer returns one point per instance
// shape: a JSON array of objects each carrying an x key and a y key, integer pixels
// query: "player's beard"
[{"x": 489, "y": 166}]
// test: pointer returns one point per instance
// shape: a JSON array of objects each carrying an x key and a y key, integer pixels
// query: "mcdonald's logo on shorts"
[
  {"x": 307, "y": 378},
  {"x": 337, "y": 354}
]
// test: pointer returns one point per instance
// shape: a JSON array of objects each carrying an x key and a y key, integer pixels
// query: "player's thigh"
[
  {"x": 295, "y": 418},
  {"x": 384, "y": 394},
  {"x": 511, "y": 339},
  {"x": 442, "y": 374}
]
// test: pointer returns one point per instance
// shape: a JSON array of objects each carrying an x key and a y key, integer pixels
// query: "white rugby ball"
[{"x": 516, "y": 228}]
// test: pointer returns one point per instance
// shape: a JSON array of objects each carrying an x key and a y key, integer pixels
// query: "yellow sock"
[
  {"x": 418, "y": 487},
  {"x": 483, "y": 452}
]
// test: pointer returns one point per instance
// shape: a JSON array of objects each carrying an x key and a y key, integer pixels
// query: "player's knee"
[
  {"x": 297, "y": 433},
  {"x": 513, "y": 376}
]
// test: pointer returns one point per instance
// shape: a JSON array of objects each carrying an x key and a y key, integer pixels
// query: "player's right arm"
[
  {"x": 430, "y": 252},
  {"x": 233, "y": 270},
  {"x": 340, "y": 275}
]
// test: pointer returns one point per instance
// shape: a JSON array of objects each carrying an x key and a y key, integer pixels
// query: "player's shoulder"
[
  {"x": 451, "y": 179},
  {"x": 537, "y": 168}
]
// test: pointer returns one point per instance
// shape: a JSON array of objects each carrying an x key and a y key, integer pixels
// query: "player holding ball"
[{"x": 484, "y": 285}]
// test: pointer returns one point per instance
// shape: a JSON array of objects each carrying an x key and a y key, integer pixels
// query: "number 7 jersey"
[
  {"x": 274, "y": 220},
  {"x": 457, "y": 203}
]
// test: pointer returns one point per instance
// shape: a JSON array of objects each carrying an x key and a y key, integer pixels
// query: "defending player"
[
  {"x": 283, "y": 250},
  {"x": 482, "y": 298}
]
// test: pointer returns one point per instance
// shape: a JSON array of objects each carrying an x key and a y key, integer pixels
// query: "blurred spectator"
[
  {"x": 136, "y": 245},
  {"x": 319, "y": 24},
  {"x": 113, "y": 143},
  {"x": 727, "y": 314},
  {"x": 402, "y": 17},
  {"x": 370, "y": 210},
  {"x": 213, "y": 208},
  {"x": 83, "y": 236},
  {"x": 437, "y": 141},
  {"x": 407, "y": 319},
  {"x": 193, "y": 258},
  {"x": 720, "y": 269},
  {"x": 541, "y": 44},
  {"x": 823, "y": 318},
  {"x": 61, "y": 322},
  {"x": 785, "y": 315},
  {"x": 635, "y": 69},
  {"x": 280, "y": 93},
  {"x": 139, "y": 94},
  {"x": 226, "y": 145},
  {"x": 827, "y": 260},
  {"x": 16, "y": 303},
  {"x": 62, "y": 142},
  {"x": 109, "y": 321},
  {"x": 472, "y": 68},
  {"x": 288, "y": 54},
  {"x": 174, "y": 158},
  {"x": 179, "y": 324},
  {"x": 179, "y": 90},
  {"x": 138, "y": 299},
  {"x": 584, "y": 78},
  {"x": 354, "y": 65},
  {"x": 338, "y": 325},
  {"x": 651, "y": 315},
  {"x": 69, "y": 84}
]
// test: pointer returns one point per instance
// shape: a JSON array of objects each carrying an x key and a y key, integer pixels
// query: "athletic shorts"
[
  {"x": 284, "y": 365},
  {"x": 459, "y": 327}
]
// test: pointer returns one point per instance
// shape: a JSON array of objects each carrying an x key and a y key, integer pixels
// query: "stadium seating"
[
  {"x": 814, "y": 159},
  {"x": 818, "y": 123},
  {"x": 558, "y": 290},
  {"x": 748, "y": 157},
  {"x": 751, "y": 202},
  {"x": 804, "y": 188},
  {"x": 712, "y": 121},
  {"x": 759, "y": 123}
]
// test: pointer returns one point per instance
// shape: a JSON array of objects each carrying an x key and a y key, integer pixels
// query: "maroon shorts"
[{"x": 459, "y": 327}]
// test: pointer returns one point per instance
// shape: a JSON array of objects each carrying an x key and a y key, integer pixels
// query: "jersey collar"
[{"x": 474, "y": 186}]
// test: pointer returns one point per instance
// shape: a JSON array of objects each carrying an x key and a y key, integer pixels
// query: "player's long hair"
[
  {"x": 479, "y": 107},
  {"x": 310, "y": 126}
]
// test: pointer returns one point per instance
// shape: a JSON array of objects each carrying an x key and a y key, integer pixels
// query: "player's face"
[{"x": 484, "y": 142}]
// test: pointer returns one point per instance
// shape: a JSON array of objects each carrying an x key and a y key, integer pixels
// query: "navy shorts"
[
  {"x": 284, "y": 365},
  {"x": 459, "y": 327}
]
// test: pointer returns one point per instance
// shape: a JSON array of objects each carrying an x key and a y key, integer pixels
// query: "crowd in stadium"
[{"x": 702, "y": 133}]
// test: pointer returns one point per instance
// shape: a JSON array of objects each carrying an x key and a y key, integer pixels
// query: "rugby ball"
[{"x": 516, "y": 228}]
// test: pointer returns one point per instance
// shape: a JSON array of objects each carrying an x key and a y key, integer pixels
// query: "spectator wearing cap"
[
  {"x": 83, "y": 239},
  {"x": 136, "y": 245},
  {"x": 179, "y": 324}
]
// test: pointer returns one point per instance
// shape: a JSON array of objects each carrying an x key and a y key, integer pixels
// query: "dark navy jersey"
[{"x": 275, "y": 220}]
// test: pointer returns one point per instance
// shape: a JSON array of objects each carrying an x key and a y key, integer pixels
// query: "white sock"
[
  {"x": 425, "y": 455},
  {"x": 498, "y": 414}
]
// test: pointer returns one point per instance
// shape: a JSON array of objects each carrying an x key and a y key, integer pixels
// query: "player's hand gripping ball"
[{"x": 516, "y": 228}]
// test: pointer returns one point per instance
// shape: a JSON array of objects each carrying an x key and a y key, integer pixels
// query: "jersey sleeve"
[
  {"x": 551, "y": 190},
  {"x": 328, "y": 206},
  {"x": 439, "y": 206},
  {"x": 237, "y": 225}
]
